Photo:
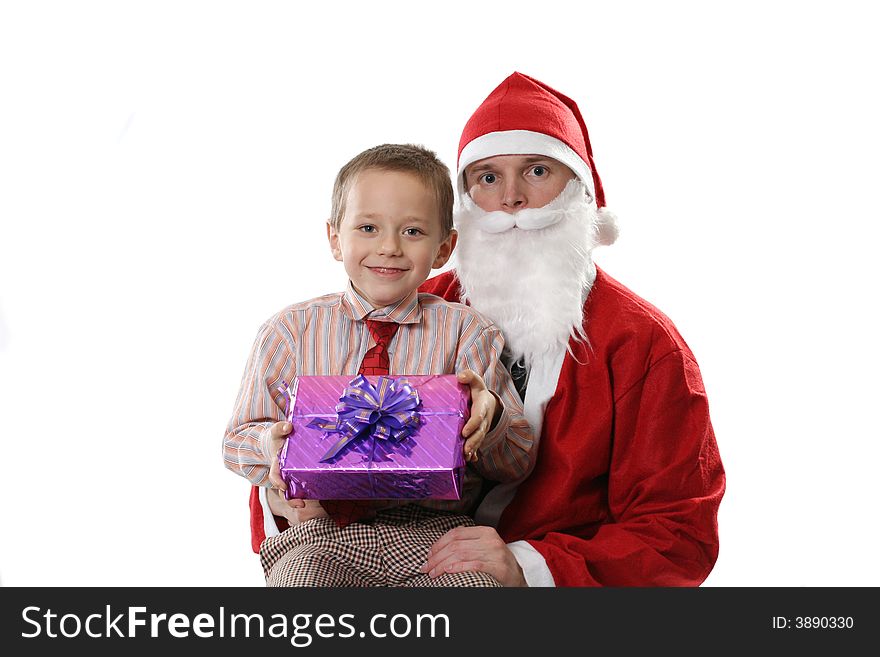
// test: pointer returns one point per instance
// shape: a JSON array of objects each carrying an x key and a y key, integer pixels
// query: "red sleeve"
[
  {"x": 665, "y": 483},
  {"x": 444, "y": 285}
]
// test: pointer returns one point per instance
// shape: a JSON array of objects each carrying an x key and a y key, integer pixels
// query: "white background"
[{"x": 165, "y": 173}]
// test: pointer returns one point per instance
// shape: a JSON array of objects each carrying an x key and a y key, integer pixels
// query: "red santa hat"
[{"x": 523, "y": 116}]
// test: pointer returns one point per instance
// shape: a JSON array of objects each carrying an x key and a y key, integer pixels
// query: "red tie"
[
  {"x": 376, "y": 359},
  {"x": 375, "y": 362}
]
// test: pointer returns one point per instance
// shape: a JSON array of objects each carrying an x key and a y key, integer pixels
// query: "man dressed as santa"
[{"x": 627, "y": 481}]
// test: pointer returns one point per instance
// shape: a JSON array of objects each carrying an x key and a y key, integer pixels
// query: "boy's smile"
[
  {"x": 390, "y": 236},
  {"x": 390, "y": 272}
]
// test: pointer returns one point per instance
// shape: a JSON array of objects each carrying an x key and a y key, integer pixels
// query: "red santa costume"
[{"x": 627, "y": 481}]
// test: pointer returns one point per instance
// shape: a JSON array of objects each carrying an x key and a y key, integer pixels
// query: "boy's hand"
[
  {"x": 295, "y": 510},
  {"x": 485, "y": 411},
  {"x": 278, "y": 432}
]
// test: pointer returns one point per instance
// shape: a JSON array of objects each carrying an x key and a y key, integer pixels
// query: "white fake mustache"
[{"x": 499, "y": 221}]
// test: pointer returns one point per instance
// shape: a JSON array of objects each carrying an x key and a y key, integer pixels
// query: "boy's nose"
[{"x": 389, "y": 245}]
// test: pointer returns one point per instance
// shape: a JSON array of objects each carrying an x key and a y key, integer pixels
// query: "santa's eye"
[
  {"x": 539, "y": 171},
  {"x": 488, "y": 178}
]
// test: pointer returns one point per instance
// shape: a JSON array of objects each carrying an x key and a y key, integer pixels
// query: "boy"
[{"x": 391, "y": 224}]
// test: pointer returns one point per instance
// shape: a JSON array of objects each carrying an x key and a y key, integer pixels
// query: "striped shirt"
[{"x": 328, "y": 336}]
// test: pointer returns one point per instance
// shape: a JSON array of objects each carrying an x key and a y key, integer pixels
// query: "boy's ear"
[
  {"x": 447, "y": 246},
  {"x": 333, "y": 238}
]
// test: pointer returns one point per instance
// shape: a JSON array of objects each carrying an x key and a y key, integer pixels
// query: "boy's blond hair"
[{"x": 408, "y": 158}]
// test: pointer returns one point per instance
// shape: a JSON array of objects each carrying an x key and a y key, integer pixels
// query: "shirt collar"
[{"x": 406, "y": 311}]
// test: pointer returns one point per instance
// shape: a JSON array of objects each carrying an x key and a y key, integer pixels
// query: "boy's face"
[{"x": 390, "y": 236}]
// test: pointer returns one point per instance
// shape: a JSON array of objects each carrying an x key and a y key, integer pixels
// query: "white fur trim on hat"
[{"x": 523, "y": 142}]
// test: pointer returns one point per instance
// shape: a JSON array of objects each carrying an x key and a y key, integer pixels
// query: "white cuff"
[{"x": 534, "y": 567}]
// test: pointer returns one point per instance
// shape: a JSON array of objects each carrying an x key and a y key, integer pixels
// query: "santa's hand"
[
  {"x": 296, "y": 510},
  {"x": 310, "y": 509},
  {"x": 477, "y": 549},
  {"x": 485, "y": 411}
]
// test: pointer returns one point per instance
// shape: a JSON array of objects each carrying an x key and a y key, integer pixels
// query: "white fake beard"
[{"x": 531, "y": 271}]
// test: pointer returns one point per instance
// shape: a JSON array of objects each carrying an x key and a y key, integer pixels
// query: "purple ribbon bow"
[{"x": 386, "y": 410}]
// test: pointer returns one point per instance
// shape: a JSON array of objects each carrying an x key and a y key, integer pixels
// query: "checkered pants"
[{"x": 386, "y": 552}]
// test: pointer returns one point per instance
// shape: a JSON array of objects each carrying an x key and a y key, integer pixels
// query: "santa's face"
[
  {"x": 529, "y": 271},
  {"x": 511, "y": 183}
]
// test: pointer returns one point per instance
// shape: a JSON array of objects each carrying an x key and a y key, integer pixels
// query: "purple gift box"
[{"x": 375, "y": 437}]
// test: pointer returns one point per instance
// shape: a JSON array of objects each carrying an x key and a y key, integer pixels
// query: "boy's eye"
[
  {"x": 488, "y": 178},
  {"x": 412, "y": 232},
  {"x": 367, "y": 229}
]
